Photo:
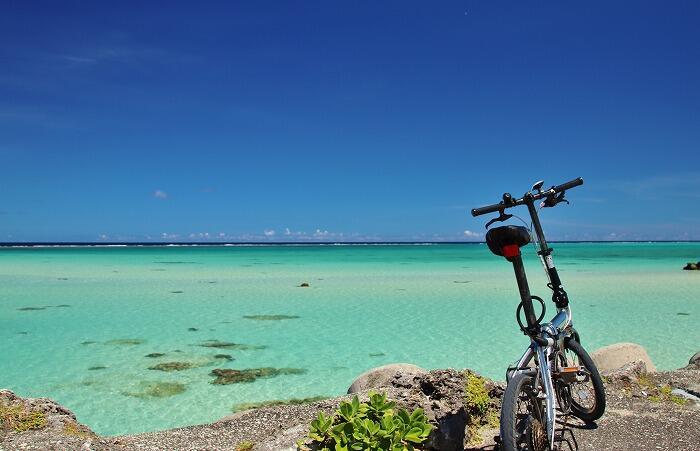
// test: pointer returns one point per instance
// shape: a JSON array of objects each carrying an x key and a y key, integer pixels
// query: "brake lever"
[
  {"x": 501, "y": 217},
  {"x": 553, "y": 200}
]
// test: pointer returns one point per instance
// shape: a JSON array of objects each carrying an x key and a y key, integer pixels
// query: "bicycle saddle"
[{"x": 508, "y": 235}]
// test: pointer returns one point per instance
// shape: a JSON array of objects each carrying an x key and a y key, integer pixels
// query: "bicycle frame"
[{"x": 547, "y": 337}]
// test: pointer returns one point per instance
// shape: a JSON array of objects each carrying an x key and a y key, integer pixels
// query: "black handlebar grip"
[
  {"x": 487, "y": 209},
  {"x": 568, "y": 185}
]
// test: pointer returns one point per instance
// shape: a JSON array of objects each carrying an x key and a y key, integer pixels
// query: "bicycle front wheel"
[
  {"x": 522, "y": 416},
  {"x": 587, "y": 397}
]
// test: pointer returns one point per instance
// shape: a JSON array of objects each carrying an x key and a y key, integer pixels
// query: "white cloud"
[
  {"x": 287, "y": 231},
  {"x": 77, "y": 59},
  {"x": 160, "y": 194},
  {"x": 103, "y": 236},
  {"x": 470, "y": 234},
  {"x": 321, "y": 233},
  {"x": 169, "y": 236},
  {"x": 269, "y": 232}
]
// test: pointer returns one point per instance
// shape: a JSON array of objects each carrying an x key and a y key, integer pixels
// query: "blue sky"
[{"x": 254, "y": 121}]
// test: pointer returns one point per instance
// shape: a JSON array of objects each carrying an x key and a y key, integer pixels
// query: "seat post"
[{"x": 524, "y": 289}]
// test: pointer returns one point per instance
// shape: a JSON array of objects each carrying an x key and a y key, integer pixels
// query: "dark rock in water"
[
  {"x": 154, "y": 355},
  {"x": 304, "y": 285},
  {"x": 376, "y": 354},
  {"x": 228, "y": 345},
  {"x": 97, "y": 367},
  {"x": 192, "y": 329},
  {"x": 462, "y": 281},
  {"x": 224, "y": 357},
  {"x": 177, "y": 292},
  {"x": 62, "y": 306},
  {"x": 692, "y": 266},
  {"x": 277, "y": 402},
  {"x": 61, "y": 278},
  {"x": 226, "y": 376},
  {"x": 158, "y": 390},
  {"x": 683, "y": 314},
  {"x": 88, "y": 342},
  {"x": 22, "y": 332},
  {"x": 125, "y": 341},
  {"x": 172, "y": 366},
  {"x": 270, "y": 317},
  {"x": 30, "y": 309}
]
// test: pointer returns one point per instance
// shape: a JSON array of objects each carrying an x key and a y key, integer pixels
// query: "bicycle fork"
[{"x": 543, "y": 353}]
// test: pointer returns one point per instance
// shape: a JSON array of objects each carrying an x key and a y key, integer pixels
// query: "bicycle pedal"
[{"x": 568, "y": 374}]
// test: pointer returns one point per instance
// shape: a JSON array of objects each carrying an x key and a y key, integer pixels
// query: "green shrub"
[
  {"x": 245, "y": 446},
  {"x": 477, "y": 399},
  {"x": 375, "y": 425},
  {"x": 20, "y": 419},
  {"x": 479, "y": 406}
]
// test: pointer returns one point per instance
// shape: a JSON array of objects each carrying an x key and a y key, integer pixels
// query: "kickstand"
[{"x": 561, "y": 439}]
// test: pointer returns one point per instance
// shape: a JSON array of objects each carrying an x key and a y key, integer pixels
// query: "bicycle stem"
[{"x": 559, "y": 295}]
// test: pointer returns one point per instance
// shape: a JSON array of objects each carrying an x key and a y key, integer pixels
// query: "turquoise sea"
[{"x": 66, "y": 310}]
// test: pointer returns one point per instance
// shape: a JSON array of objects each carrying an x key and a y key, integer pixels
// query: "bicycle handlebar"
[
  {"x": 568, "y": 185},
  {"x": 515, "y": 202}
]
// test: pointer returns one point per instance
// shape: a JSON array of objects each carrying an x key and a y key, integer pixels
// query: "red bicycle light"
[{"x": 511, "y": 250}]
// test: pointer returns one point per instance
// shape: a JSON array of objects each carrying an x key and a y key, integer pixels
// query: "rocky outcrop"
[
  {"x": 663, "y": 406},
  {"x": 613, "y": 357},
  {"x": 383, "y": 376},
  {"x": 40, "y": 423},
  {"x": 692, "y": 266}
]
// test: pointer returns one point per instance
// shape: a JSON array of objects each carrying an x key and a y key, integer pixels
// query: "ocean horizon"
[{"x": 291, "y": 243}]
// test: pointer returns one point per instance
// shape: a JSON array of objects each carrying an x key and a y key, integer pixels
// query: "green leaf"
[
  {"x": 417, "y": 415},
  {"x": 414, "y": 435},
  {"x": 403, "y": 416},
  {"x": 355, "y": 404}
]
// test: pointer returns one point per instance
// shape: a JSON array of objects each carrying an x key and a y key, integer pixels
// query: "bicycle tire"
[
  {"x": 517, "y": 426},
  {"x": 588, "y": 414}
]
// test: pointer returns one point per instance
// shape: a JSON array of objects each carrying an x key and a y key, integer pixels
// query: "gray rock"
[
  {"x": 440, "y": 393},
  {"x": 629, "y": 372},
  {"x": 684, "y": 394},
  {"x": 285, "y": 440},
  {"x": 383, "y": 376},
  {"x": 614, "y": 357},
  {"x": 695, "y": 360},
  {"x": 693, "y": 389}
]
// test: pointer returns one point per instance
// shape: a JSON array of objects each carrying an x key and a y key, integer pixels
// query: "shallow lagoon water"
[{"x": 76, "y": 324}]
